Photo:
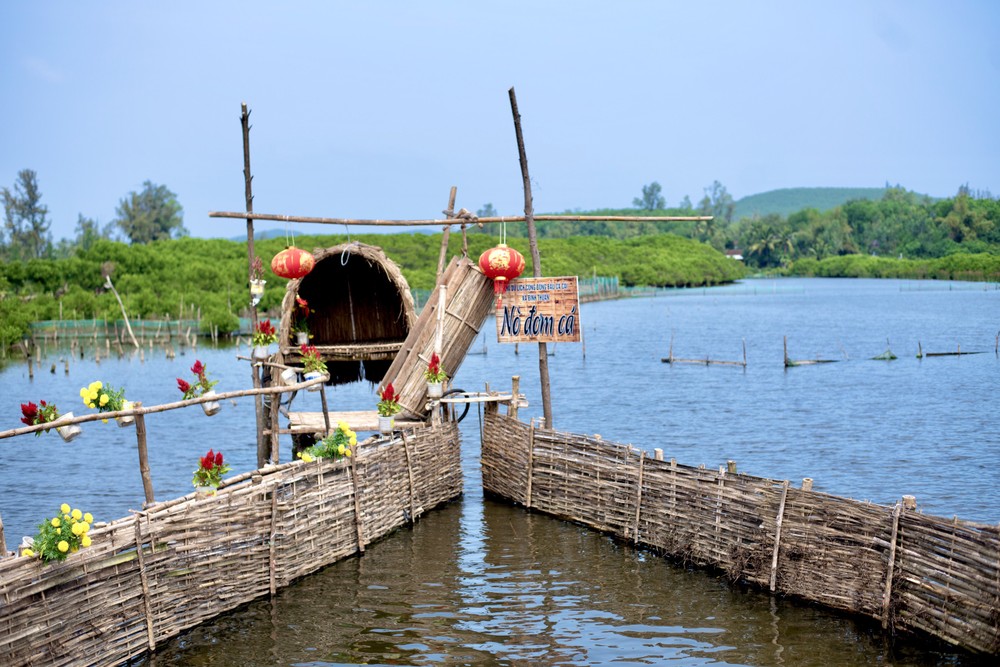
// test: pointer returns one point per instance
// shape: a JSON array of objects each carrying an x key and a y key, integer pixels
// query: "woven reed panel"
[
  {"x": 832, "y": 550},
  {"x": 948, "y": 580},
  {"x": 505, "y": 457},
  {"x": 204, "y": 556}
]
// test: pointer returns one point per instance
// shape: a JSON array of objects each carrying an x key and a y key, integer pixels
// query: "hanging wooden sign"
[{"x": 540, "y": 310}]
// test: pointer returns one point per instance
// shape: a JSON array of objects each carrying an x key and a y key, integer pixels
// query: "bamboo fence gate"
[
  {"x": 912, "y": 571},
  {"x": 150, "y": 576}
]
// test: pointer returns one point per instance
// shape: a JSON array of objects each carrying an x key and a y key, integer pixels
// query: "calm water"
[{"x": 482, "y": 583}]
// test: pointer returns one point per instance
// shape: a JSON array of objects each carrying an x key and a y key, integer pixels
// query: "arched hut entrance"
[{"x": 361, "y": 311}]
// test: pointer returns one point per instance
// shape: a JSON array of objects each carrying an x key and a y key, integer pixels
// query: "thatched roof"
[{"x": 361, "y": 311}]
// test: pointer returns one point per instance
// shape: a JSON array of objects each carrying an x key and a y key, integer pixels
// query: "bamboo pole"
[
  {"x": 380, "y": 222},
  {"x": 140, "y": 437},
  {"x": 109, "y": 285},
  {"x": 536, "y": 259},
  {"x": 144, "y": 580},
  {"x": 139, "y": 409},
  {"x": 777, "y": 535},
  {"x": 262, "y": 444},
  {"x": 887, "y": 593},
  {"x": 446, "y": 232}
]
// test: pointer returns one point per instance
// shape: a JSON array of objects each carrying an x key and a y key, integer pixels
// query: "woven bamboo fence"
[
  {"x": 911, "y": 571},
  {"x": 150, "y": 576}
]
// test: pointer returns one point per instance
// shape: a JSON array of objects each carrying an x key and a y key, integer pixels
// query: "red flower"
[
  {"x": 208, "y": 460},
  {"x": 435, "y": 364},
  {"x": 198, "y": 368},
  {"x": 183, "y": 386},
  {"x": 30, "y": 412},
  {"x": 265, "y": 327},
  {"x": 303, "y": 305},
  {"x": 218, "y": 459},
  {"x": 388, "y": 394}
]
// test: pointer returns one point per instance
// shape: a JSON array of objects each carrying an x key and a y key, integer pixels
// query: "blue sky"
[{"x": 375, "y": 109}]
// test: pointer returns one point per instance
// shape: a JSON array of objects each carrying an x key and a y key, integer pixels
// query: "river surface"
[{"x": 482, "y": 583}]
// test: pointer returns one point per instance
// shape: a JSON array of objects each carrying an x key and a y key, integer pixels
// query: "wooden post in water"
[
  {"x": 140, "y": 437},
  {"x": 536, "y": 260},
  {"x": 807, "y": 483},
  {"x": 3, "y": 540},
  {"x": 258, "y": 404}
]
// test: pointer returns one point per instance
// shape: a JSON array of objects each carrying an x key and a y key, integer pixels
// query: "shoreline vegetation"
[{"x": 903, "y": 235}]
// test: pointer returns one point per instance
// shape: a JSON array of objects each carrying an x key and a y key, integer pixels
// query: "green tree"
[
  {"x": 150, "y": 215},
  {"x": 89, "y": 231},
  {"x": 487, "y": 211},
  {"x": 718, "y": 203},
  {"x": 651, "y": 199},
  {"x": 26, "y": 223}
]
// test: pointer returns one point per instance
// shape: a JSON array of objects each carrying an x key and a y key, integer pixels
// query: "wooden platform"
[
  {"x": 360, "y": 351},
  {"x": 363, "y": 420}
]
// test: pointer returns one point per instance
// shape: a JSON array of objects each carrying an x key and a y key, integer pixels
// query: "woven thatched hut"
[{"x": 361, "y": 311}]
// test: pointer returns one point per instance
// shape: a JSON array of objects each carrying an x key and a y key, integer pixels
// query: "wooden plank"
[{"x": 364, "y": 420}]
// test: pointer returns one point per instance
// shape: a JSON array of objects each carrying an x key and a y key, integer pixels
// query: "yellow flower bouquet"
[
  {"x": 63, "y": 534},
  {"x": 334, "y": 446},
  {"x": 106, "y": 398}
]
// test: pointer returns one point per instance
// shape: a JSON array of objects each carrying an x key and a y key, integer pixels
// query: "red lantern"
[
  {"x": 292, "y": 262},
  {"x": 502, "y": 264}
]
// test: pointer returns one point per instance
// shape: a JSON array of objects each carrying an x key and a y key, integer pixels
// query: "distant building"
[{"x": 735, "y": 253}]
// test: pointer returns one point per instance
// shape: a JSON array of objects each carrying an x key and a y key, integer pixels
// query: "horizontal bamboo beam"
[
  {"x": 176, "y": 405},
  {"x": 457, "y": 220}
]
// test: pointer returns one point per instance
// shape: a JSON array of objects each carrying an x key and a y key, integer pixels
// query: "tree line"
[
  {"x": 901, "y": 225},
  {"x": 141, "y": 217}
]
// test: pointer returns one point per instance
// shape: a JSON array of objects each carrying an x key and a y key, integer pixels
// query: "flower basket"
[
  {"x": 69, "y": 431},
  {"x": 435, "y": 377},
  {"x": 314, "y": 375},
  {"x": 202, "y": 387},
  {"x": 289, "y": 376},
  {"x": 211, "y": 468},
  {"x": 256, "y": 291},
  {"x": 126, "y": 420},
  {"x": 302, "y": 337},
  {"x": 262, "y": 337},
  {"x": 386, "y": 423},
  {"x": 210, "y": 407},
  {"x": 388, "y": 407}
]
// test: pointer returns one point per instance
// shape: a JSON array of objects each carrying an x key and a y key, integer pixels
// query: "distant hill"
[{"x": 791, "y": 200}]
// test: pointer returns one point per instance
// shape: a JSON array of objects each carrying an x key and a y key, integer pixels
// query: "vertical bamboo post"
[
  {"x": 272, "y": 439},
  {"x": 531, "y": 464},
  {"x": 515, "y": 389},
  {"x": 326, "y": 411},
  {"x": 446, "y": 232},
  {"x": 536, "y": 260},
  {"x": 777, "y": 534},
  {"x": 807, "y": 483},
  {"x": 638, "y": 497},
  {"x": 262, "y": 445},
  {"x": 3, "y": 540},
  {"x": 140, "y": 437},
  {"x": 887, "y": 594},
  {"x": 731, "y": 467},
  {"x": 144, "y": 581},
  {"x": 272, "y": 547}
]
